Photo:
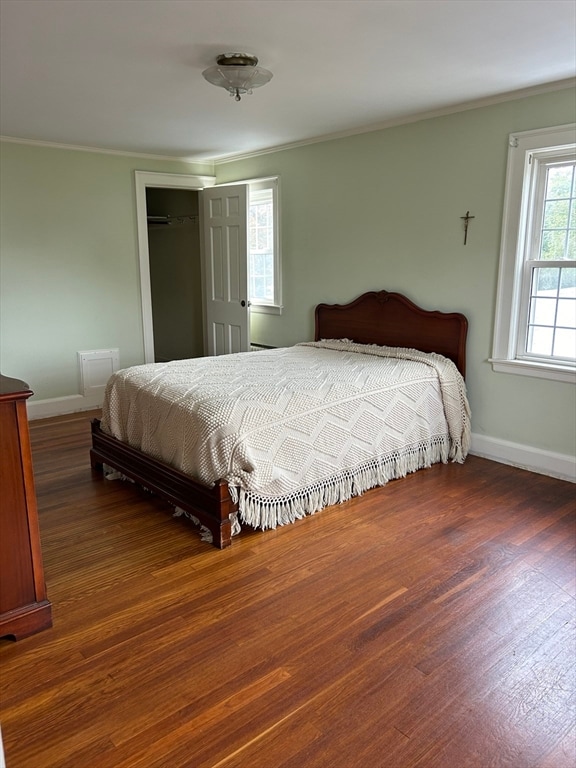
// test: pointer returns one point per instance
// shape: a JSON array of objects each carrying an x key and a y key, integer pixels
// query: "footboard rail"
[{"x": 212, "y": 506}]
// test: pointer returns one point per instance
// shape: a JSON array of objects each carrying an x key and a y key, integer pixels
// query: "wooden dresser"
[{"x": 24, "y": 607}]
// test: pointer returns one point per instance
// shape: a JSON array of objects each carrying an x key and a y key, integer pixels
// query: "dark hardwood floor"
[{"x": 429, "y": 624}]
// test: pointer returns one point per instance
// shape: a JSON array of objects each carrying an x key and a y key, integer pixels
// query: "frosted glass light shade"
[{"x": 237, "y": 73}]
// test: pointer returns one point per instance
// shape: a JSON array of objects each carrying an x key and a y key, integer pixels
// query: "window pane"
[
  {"x": 556, "y": 214},
  {"x": 568, "y": 281},
  {"x": 566, "y": 316},
  {"x": 546, "y": 280},
  {"x": 540, "y": 340},
  {"x": 553, "y": 244},
  {"x": 543, "y": 311},
  {"x": 571, "y": 249},
  {"x": 559, "y": 182},
  {"x": 259, "y": 287},
  {"x": 565, "y": 343}
]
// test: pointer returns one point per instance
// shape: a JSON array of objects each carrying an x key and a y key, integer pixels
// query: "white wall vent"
[{"x": 96, "y": 367}]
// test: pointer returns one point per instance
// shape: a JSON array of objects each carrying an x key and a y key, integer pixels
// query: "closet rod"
[{"x": 170, "y": 219}]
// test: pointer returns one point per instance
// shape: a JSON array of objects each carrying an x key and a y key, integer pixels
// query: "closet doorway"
[
  {"x": 175, "y": 273},
  {"x": 170, "y": 300},
  {"x": 174, "y": 298}
]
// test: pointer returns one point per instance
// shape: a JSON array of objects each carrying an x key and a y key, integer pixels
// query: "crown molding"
[
  {"x": 559, "y": 85},
  {"x": 219, "y": 159},
  {"x": 99, "y": 150}
]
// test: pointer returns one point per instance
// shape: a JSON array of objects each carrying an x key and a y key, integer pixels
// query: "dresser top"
[{"x": 10, "y": 386}]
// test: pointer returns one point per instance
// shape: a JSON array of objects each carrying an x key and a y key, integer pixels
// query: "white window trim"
[
  {"x": 273, "y": 308},
  {"x": 504, "y": 358}
]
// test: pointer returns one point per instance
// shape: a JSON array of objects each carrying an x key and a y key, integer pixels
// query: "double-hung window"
[
  {"x": 264, "y": 269},
  {"x": 535, "y": 332}
]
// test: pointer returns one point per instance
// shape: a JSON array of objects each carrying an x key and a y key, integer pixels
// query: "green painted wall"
[
  {"x": 377, "y": 210},
  {"x": 382, "y": 210},
  {"x": 69, "y": 274}
]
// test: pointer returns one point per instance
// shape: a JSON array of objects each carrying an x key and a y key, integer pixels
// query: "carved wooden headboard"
[{"x": 390, "y": 319}]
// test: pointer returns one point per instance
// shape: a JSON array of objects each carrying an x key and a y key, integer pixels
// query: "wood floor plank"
[{"x": 427, "y": 624}]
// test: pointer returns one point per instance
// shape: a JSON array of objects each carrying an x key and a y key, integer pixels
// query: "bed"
[{"x": 288, "y": 462}]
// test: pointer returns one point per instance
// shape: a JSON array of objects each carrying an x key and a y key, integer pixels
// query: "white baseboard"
[
  {"x": 537, "y": 460},
  {"x": 59, "y": 406}
]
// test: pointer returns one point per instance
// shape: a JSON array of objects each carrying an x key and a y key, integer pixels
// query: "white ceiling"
[{"x": 126, "y": 74}]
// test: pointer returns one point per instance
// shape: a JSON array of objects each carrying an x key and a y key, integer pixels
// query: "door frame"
[{"x": 144, "y": 180}]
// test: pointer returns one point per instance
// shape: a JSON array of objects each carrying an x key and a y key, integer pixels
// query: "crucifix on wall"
[{"x": 466, "y": 222}]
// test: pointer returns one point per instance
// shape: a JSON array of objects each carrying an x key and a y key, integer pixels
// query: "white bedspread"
[{"x": 293, "y": 430}]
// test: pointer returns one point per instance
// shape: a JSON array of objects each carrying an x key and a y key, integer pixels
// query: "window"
[
  {"x": 535, "y": 331},
  {"x": 264, "y": 246}
]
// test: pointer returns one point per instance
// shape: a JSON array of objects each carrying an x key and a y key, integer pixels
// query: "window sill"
[
  {"x": 538, "y": 370},
  {"x": 266, "y": 309}
]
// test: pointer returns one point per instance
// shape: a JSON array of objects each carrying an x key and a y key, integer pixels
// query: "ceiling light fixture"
[{"x": 237, "y": 73}]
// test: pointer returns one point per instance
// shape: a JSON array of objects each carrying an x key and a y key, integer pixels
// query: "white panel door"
[{"x": 225, "y": 212}]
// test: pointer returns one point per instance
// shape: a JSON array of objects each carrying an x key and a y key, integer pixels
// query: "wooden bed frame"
[{"x": 377, "y": 317}]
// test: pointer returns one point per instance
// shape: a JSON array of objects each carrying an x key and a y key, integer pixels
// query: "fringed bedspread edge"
[{"x": 264, "y": 512}]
